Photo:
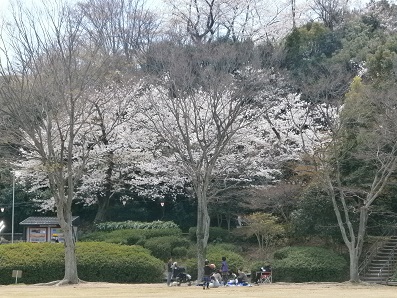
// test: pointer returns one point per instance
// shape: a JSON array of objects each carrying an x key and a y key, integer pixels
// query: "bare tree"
[
  {"x": 235, "y": 20},
  {"x": 330, "y": 11},
  {"x": 121, "y": 28},
  {"x": 47, "y": 69}
]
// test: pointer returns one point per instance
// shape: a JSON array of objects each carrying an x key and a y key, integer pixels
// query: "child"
[
  {"x": 207, "y": 274},
  {"x": 225, "y": 271}
]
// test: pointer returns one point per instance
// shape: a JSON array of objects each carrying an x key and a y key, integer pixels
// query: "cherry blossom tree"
[
  {"x": 125, "y": 158},
  {"x": 220, "y": 124}
]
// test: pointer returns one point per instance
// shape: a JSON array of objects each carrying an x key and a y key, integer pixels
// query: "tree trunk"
[
  {"x": 101, "y": 214},
  {"x": 65, "y": 218},
  {"x": 354, "y": 258},
  {"x": 228, "y": 219},
  {"x": 104, "y": 199},
  {"x": 203, "y": 224},
  {"x": 219, "y": 219},
  {"x": 71, "y": 276}
]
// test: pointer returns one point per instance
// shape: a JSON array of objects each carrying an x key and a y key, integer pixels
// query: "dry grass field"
[{"x": 276, "y": 290}]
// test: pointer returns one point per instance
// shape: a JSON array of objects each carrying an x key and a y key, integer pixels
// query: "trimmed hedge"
[
  {"x": 130, "y": 236},
  {"x": 306, "y": 264},
  {"x": 129, "y": 224},
  {"x": 96, "y": 261},
  {"x": 162, "y": 247}
]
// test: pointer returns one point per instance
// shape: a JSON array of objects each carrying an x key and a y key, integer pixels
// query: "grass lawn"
[{"x": 275, "y": 290}]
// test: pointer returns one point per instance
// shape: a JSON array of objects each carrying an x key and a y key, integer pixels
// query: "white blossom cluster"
[{"x": 119, "y": 136}]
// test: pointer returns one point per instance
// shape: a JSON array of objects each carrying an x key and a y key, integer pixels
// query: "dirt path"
[{"x": 276, "y": 290}]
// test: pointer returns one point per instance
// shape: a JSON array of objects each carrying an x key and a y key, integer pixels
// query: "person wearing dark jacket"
[
  {"x": 207, "y": 275},
  {"x": 170, "y": 271}
]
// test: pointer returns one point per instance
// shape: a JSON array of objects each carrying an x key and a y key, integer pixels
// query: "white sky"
[{"x": 4, "y": 4}]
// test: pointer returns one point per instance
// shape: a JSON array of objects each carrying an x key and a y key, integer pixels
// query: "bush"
[
  {"x": 130, "y": 236},
  {"x": 216, "y": 235},
  {"x": 96, "y": 261},
  {"x": 138, "y": 225},
  {"x": 214, "y": 255},
  {"x": 116, "y": 263},
  {"x": 305, "y": 264},
  {"x": 162, "y": 247},
  {"x": 179, "y": 252}
]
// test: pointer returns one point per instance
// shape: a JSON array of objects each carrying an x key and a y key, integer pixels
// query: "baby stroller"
[{"x": 180, "y": 276}]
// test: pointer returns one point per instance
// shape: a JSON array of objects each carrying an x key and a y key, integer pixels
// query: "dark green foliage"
[
  {"x": 114, "y": 263},
  {"x": 130, "y": 236},
  {"x": 162, "y": 247},
  {"x": 217, "y": 234},
  {"x": 179, "y": 252},
  {"x": 96, "y": 261},
  {"x": 214, "y": 255},
  {"x": 26, "y": 202},
  {"x": 306, "y": 264},
  {"x": 371, "y": 21},
  {"x": 315, "y": 215},
  {"x": 310, "y": 43},
  {"x": 129, "y": 224}
]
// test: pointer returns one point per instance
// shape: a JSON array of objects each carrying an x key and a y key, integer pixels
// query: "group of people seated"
[{"x": 234, "y": 279}]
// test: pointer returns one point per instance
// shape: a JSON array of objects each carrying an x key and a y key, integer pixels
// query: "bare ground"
[{"x": 275, "y": 290}]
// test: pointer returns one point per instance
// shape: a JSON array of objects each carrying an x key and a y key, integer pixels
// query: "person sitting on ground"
[
  {"x": 233, "y": 278},
  {"x": 216, "y": 279},
  {"x": 241, "y": 277}
]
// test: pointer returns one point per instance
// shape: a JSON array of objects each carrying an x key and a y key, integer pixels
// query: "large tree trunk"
[
  {"x": 101, "y": 214},
  {"x": 203, "y": 225},
  {"x": 65, "y": 218},
  {"x": 354, "y": 258},
  {"x": 71, "y": 276},
  {"x": 104, "y": 199}
]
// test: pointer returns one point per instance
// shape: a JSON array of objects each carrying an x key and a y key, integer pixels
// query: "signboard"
[
  {"x": 17, "y": 274},
  {"x": 37, "y": 234},
  {"x": 57, "y": 233}
]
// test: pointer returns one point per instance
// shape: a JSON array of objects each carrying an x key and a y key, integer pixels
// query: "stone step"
[{"x": 376, "y": 274}]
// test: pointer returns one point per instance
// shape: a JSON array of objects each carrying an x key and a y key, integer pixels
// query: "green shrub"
[
  {"x": 305, "y": 264},
  {"x": 230, "y": 247},
  {"x": 162, "y": 247},
  {"x": 216, "y": 235},
  {"x": 117, "y": 263},
  {"x": 179, "y": 252},
  {"x": 138, "y": 225},
  {"x": 130, "y": 236},
  {"x": 214, "y": 255},
  {"x": 96, "y": 261}
]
